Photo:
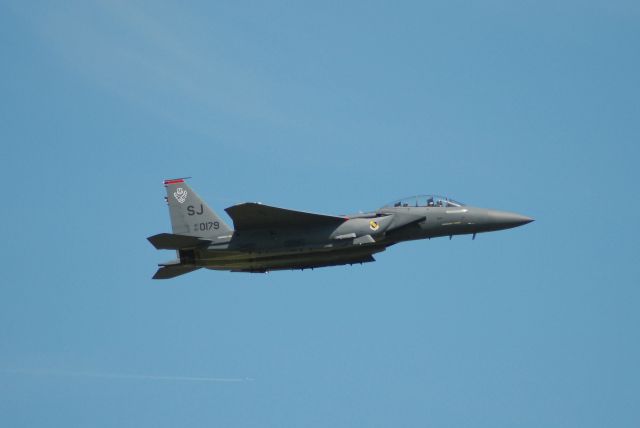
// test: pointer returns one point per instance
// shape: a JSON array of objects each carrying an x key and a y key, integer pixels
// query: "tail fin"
[{"x": 190, "y": 215}]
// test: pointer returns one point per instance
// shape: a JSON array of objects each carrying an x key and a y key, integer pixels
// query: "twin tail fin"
[
  {"x": 190, "y": 215},
  {"x": 193, "y": 223}
]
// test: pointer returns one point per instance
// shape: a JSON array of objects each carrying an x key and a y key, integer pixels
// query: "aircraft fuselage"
[
  {"x": 263, "y": 250},
  {"x": 270, "y": 238}
]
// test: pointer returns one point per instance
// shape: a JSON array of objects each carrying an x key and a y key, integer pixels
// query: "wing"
[
  {"x": 169, "y": 241},
  {"x": 250, "y": 215}
]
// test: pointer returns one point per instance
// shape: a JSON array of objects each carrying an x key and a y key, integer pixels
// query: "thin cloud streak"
[
  {"x": 44, "y": 372},
  {"x": 149, "y": 58}
]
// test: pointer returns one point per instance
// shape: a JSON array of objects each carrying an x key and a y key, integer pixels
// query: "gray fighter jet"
[{"x": 269, "y": 238}]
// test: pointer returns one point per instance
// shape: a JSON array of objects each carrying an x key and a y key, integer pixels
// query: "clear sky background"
[{"x": 333, "y": 107}]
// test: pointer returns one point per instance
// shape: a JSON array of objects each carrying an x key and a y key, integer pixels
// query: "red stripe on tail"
[{"x": 179, "y": 180}]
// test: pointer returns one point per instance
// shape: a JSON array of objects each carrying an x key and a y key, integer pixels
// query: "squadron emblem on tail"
[{"x": 180, "y": 194}]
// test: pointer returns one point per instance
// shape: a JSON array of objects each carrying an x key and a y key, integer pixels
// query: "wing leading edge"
[{"x": 251, "y": 215}]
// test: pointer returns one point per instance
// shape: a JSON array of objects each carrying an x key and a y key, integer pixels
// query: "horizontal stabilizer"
[
  {"x": 169, "y": 241},
  {"x": 166, "y": 272}
]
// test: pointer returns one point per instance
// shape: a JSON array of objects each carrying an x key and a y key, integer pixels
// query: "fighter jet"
[{"x": 267, "y": 238}]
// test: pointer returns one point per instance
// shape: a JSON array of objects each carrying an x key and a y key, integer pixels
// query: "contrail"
[{"x": 43, "y": 372}]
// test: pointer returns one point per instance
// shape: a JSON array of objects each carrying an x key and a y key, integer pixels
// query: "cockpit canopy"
[{"x": 424, "y": 201}]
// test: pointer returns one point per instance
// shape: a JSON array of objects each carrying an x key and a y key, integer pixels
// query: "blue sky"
[{"x": 332, "y": 107}]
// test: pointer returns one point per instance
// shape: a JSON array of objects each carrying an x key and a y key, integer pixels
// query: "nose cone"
[{"x": 506, "y": 220}]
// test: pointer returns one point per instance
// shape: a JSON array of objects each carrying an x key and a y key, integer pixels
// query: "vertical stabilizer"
[{"x": 190, "y": 215}]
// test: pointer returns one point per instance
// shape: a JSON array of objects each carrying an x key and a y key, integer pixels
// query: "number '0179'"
[{"x": 209, "y": 225}]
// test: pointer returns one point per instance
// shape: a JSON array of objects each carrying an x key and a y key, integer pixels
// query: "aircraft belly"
[{"x": 281, "y": 260}]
